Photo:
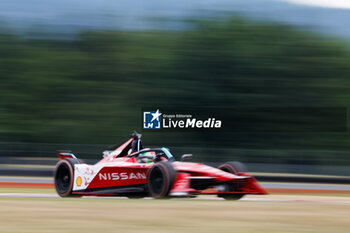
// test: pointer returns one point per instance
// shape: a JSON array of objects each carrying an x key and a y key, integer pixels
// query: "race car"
[{"x": 129, "y": 170}]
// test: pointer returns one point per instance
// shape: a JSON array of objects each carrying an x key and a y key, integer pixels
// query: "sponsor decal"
[
  {"x": 122, "y": 176},
  {"x": 79, "y": 181}
]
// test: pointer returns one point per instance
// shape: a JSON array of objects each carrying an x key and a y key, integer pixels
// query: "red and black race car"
[{"x": 131, "y": 171}]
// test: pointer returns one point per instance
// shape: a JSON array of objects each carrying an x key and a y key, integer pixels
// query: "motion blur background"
[{"x": 76, "y": 74}]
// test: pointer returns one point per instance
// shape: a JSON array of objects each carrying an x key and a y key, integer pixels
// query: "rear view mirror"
[{"x": 186, "y": 156}]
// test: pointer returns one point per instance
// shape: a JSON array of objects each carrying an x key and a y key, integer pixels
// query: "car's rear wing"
[{"x": 62, "y": 154}]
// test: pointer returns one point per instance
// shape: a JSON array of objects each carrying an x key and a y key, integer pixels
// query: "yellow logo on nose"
[{"x": 79, "y": 180}]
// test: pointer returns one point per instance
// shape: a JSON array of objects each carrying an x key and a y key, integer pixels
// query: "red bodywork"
[{"x": 122, "y": 174}]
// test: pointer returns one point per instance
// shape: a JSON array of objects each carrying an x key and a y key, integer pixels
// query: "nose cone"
[{"x": 200, "y": 169}]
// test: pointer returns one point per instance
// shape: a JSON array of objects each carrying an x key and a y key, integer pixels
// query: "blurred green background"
[{"x": 86, "y": 91}]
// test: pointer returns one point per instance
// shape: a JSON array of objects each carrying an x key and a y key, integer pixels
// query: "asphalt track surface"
[
  {"x": 262, "y": 199},
  {"x": 48, "y": 182},
  {"x": 47, "y": 171},
  {"x": 291, "y": 188}
]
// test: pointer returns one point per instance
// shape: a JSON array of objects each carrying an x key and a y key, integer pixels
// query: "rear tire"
[
  {"x": 233, "y": 168},
  {"x": 160, "y": 179},
  {"x": 64, "y": 177}
]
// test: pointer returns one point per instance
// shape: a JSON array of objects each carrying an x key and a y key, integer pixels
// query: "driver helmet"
[
  {"x": 146, "y": 160},
  {"x": 149, "y": 157}
]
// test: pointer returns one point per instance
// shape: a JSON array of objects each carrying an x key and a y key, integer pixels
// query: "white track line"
[{"x": 29, "y": 195}]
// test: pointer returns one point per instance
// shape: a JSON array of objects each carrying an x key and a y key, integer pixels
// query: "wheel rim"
[
  {"x": 63, "y": 178},
  {"x": 157, "y": 181}
]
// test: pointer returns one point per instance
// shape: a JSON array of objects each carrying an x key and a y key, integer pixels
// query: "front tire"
[
  {"x": 160, "y": 179},
  {"x": 64, "y": 177},
  {"x": 233, "y": 168}
]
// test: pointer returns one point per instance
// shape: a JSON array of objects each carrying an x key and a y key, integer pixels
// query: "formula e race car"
[{"x": 129, "y": 170}]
